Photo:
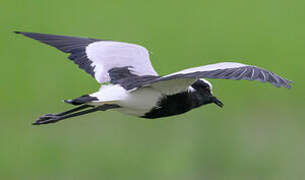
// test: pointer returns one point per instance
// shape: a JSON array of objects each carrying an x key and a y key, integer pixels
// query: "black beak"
[{"x": 217, "y": 102}]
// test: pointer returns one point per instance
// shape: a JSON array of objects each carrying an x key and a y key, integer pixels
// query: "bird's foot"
[{"x": 46, "y": 119}]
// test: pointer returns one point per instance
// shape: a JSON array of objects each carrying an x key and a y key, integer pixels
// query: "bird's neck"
[{"x": 197, "y": 99}]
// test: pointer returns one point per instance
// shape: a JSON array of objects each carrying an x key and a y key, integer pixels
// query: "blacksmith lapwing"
[{"x": 135, "y": 88}]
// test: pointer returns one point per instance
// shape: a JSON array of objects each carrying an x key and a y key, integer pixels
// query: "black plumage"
[
  {"x": 75, "y": 46},
  {"x": 183, "y": 102},
  {"x": 125, "y": 77}
]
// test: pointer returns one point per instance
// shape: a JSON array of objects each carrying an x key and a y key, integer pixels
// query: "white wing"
[
  {"x": 210, "y": 67},
  {"x": 97, "y": 57},
  {"x": 175, "y": 82}
]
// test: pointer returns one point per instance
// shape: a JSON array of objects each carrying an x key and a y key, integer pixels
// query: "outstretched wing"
[
  {"x": 97, "y": 57},
  {"x": 231, "y": 70},
  {"x": 179, "y": 81}
]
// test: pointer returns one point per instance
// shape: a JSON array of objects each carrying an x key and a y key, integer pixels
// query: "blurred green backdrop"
[{"x": 258, "y": 135}]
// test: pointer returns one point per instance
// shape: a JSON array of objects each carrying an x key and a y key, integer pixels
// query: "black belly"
[{"x": 171, "y": 105}]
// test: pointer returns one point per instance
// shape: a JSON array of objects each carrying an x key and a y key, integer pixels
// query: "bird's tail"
[{"x": 81, "y": 100}]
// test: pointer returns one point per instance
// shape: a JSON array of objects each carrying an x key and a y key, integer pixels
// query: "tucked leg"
[
  {"x": 47, "y": 116},
  {"x": 52, "y": 118}
]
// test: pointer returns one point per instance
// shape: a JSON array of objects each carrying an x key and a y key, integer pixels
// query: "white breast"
[
  {"x": 140, "y": 101},
  {"x": 137, "y": 102}
]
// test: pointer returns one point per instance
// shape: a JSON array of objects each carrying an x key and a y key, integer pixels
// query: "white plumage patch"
[
  {"x": 140, "y": 101},
  {"x": 210, "y": 67},
  {"x": 191, "y": 89},
  {"x": 173, "y": 86},
  {"x": 110, "y": 93},
  {"x": 137, "y": 102},
  {"x": 106, "y": 55},
  {"x": 207, "y": 82}
]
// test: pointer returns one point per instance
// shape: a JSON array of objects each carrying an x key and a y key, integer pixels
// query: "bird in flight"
[{"x": 131, "y": 85}]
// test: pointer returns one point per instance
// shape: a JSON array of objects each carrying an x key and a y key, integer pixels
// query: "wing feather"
[
  {"x": 96, "y": 56},
  {"x": 236, "y": 71},
  {"x": 227, "y": 70},
  {"x": 75, "y": 46}
]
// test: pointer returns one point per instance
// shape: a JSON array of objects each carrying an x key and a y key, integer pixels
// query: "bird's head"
[{"x": 204, "y": 89}]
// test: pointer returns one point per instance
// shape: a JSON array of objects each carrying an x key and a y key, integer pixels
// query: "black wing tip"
[
  {"x": 279, "y": 85},
  {"x": 288, "y": 84},
  {"x": 23, "y": 33}
]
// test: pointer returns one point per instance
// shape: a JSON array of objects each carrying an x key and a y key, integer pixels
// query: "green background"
[{"x": 258, "y": 135}]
